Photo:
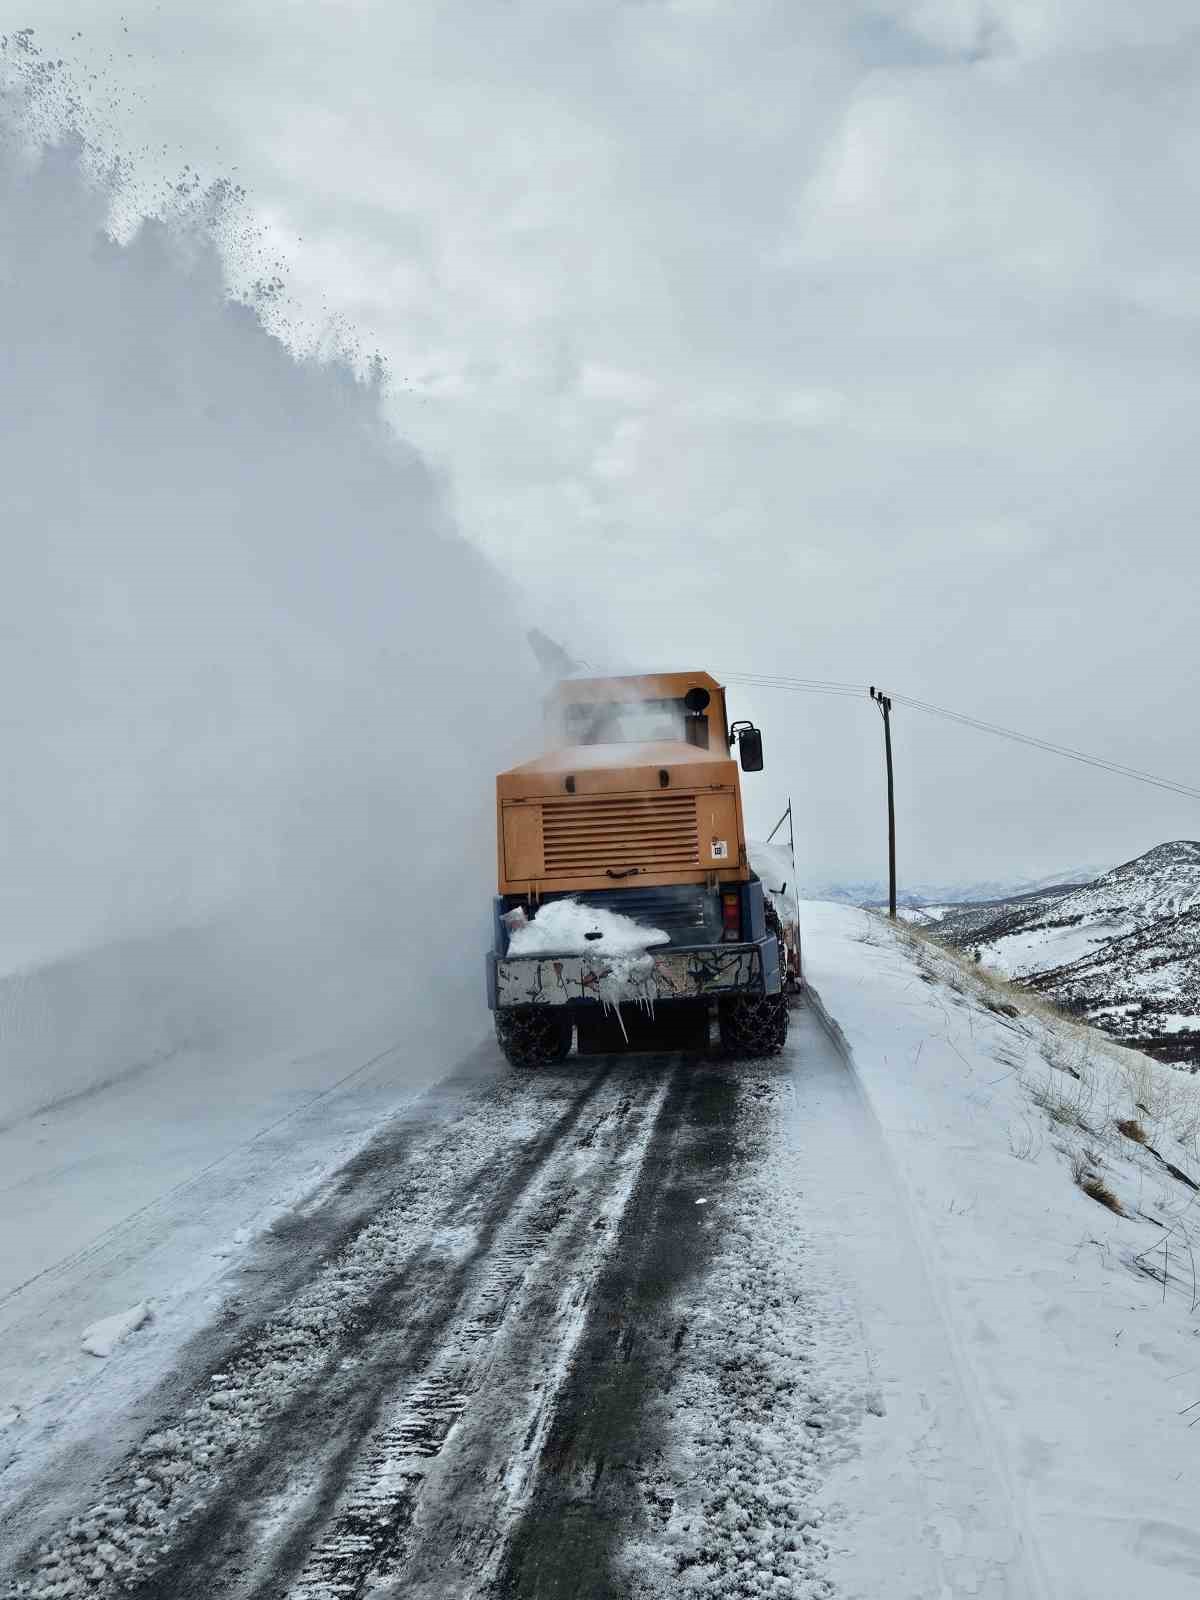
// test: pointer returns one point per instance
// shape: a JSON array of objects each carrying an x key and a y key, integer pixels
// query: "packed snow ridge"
[{"x": 1050, "y": 1178}]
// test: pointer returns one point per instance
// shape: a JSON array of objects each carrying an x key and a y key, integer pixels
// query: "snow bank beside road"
[
  {"x": 1077, "y": 1358},
  {"x": 73, "y": 1026}
]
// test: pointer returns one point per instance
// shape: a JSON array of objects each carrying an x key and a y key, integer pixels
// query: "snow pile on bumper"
[{"x": 567, "y": 927}]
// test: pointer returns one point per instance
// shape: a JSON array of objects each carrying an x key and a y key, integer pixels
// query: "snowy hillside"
[{"x": 1124, "y": 951}]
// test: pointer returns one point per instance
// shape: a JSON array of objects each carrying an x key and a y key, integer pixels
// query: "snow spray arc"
[{"x": 240, "y": 638}]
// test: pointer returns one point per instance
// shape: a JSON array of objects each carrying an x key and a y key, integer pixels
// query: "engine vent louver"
[{"x": 657, "y": 832}]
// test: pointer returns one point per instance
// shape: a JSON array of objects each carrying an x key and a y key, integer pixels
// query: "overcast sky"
[{"x": 850, "y": 341}]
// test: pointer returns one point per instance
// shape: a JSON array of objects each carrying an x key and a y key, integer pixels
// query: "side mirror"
[{"x": 750, "y": 749}]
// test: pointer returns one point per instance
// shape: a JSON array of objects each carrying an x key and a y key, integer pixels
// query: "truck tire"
[
  {"x": 753, "y": 1024},
  {"x": 534, "y": 1036}
]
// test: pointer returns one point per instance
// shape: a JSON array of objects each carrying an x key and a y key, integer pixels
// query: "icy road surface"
[{"x": 576, "y": 1333}]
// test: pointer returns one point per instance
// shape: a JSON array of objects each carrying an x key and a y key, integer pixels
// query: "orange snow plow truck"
[{"x": 627, "y": 912}]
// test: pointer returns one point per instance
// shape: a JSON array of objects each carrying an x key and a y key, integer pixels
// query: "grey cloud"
[{"x": 851, "y": 341}]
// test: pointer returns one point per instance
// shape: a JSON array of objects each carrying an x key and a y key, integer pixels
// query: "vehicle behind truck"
[{"x": 634, "y": 808}]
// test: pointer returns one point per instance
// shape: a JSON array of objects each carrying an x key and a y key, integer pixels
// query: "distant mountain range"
[
  {"x": 874, "y": 892},
  {"x": 1123, "y": 951}
]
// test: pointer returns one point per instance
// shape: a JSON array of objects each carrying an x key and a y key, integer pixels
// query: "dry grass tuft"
[
  {"x": 1132, "y": 1129},
  {"x": 1083, "y": 1171},
  {"x": 1099, "y": 1190}
]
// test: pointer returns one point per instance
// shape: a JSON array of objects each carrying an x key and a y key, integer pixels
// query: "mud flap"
[{"x": 680, "y": 1026}]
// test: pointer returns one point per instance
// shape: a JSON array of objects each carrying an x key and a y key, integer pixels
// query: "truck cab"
[{"x": 633, "y": 807}]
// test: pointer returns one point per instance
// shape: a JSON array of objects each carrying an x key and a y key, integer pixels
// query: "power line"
[
  {"x": 815, "y": 685},
  {"x": 1101, "y": 763}
]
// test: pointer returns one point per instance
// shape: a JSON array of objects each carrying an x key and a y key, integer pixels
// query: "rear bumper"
[{"x": 674, "y": 973}]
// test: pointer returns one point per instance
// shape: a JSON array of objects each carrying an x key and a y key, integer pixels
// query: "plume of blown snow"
[{"x": 253, "y": 684}]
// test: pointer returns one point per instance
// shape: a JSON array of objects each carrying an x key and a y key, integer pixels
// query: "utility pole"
[{"x": 884, "y": 702}]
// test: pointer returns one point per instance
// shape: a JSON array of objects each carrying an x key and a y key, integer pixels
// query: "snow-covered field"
[
  {"x": 1018, "y": 954},
  {"x": 922, "y": 914}
]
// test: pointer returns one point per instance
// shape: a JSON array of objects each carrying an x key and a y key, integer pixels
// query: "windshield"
[{"x": 633, "y": 722}]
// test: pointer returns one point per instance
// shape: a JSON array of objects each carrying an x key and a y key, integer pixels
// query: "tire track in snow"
[
  {"x": 586, "y": 1481},
  {"x": 176, "y": 1514},
  {"x": 466, "y": 1436},
  {"x": 303, "y": 1191}
]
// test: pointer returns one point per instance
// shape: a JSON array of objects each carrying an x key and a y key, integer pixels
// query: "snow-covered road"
[
  {"x": 386, "y": 1407},
  {"x": 409, "y": 1376},
  {"x": 639, "y": 1326},
  {"x": 575, "y": 1333}
]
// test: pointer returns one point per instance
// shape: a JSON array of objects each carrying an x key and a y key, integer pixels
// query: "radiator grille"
[{"x": 657, "y": 832}]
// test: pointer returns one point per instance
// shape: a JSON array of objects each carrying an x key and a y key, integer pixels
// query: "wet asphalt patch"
[{"x": 590, "y": 1481}]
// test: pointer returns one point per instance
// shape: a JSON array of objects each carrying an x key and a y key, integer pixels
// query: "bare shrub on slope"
[{"x": 1125, "y": 1123}]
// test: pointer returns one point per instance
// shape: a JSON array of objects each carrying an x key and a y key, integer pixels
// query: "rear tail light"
[{"x": 731, "y": 916}]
